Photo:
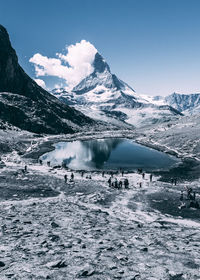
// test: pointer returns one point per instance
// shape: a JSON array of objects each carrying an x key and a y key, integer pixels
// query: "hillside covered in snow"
[
  {"x": 188, "y": 104},
  {"x": 102, "y": 95}
]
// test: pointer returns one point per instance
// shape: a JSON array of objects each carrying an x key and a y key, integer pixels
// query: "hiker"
[
  {"x": 65, "y": 177},
  {"x": 82, "y": 173},
  {"x": 175, "y": 181},
  {"x": 192, "y": 204},
  {"x": 181, "y": 197},
  {"x": 109, "y": 182},
  {"x": 23, "y": 171},
  {"x": 25, "y": 168},
  {"x": 72, "y": 176},
  {"x": 172, "y": 181},
  {"x": 103, "y": 173},
  {"x": 120, "y": 184},
  {"x": 189, "y": 191},
  {"x": 140, "y": 170},
  {"x": 116, "y": 184},
  {"x": 197, "y": 205},
  {"x": 48, "y": 163},
  {"x": 151, "y": 177},
  {"x": 140, "y": 184},
  {"x": 122, "y": 173},
  {"x": 126, "y": 183},
  {"x": 143, "y": 175}
]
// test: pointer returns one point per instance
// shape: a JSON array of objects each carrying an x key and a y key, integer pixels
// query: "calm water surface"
[{"x": 108, "y": 154}]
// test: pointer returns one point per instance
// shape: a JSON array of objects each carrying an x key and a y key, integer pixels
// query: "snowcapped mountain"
[
  {"x": 188, "y": 104},
  {"x": 102, "y": 95}
]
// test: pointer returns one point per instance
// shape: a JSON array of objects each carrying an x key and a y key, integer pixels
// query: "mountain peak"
[
  {"x": 100, "y": 77},
  {"x": 100, "y": 64}
]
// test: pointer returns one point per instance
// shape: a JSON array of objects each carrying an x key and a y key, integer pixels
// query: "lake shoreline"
[{"x": 47, "y": 145}]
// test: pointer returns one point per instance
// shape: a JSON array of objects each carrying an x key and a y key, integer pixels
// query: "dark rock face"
[
  {"x": 100, "y": 64},
  {"x": 25, "y": 104}
]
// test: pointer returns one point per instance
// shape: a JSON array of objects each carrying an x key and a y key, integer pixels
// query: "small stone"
[
  {"x": 57, "y": 264},
  {"x": 68, "y": 245},
  {"x": 54, "y": 225},
  {"x": 135, "y": 277},
  {"x": 27, "y": 222},
  {"x": 145, "y": 249},
  {"x": 110, "y": 248},
  {"x": 54, "y": 238},
  {"x": 2, "y": 264},
  {"x": 87, "y": 272},
  {"x": 176, "y": 277}
]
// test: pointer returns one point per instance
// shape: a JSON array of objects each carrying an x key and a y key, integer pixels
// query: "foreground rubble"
[{"x": 88, "y": 230}]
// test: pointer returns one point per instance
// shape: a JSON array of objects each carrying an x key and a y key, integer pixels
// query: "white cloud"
[
  {"x": 79, "y": 58},
  {"x": 41, "y": 83}
]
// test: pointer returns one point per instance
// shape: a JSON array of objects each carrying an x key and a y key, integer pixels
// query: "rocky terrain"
[
  {"x": 181, "y": 136},
  {"x": 85, "y": 229},
  {"x": 92, "y": 231}
]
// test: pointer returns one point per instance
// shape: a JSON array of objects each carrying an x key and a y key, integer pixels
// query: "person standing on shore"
[
  {"x": 181, "y": 197},
  {"x": 110, "y": 182}
]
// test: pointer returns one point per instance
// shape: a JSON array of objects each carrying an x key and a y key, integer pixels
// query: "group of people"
[
  {"x": 174, "y": 181},
  {"x": 118, "y": 184},
  {"x": 189, "y": 201},
  {"x": 71, "y": 178}
]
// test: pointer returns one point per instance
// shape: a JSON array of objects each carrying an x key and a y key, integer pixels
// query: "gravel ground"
[{"x": 85, "y": 229}]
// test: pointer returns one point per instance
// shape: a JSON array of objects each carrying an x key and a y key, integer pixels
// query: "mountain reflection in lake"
[{"x": 108, "y": 154}]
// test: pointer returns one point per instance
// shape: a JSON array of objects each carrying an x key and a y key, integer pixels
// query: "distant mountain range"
[
  {"x": 188, "y": 104},
  {"x": 102, "y": 95},
  {"x": 26, "y": 105}
]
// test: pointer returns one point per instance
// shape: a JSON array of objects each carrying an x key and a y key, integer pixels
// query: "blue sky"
[{"x": 153, "y": 45}]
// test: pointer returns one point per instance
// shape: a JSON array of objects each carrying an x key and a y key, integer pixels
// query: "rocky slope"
[{"x": 26, "y": 105}]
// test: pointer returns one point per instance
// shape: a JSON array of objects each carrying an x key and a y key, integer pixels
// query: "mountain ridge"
[
  {"x": 24, "y": 104},
  {"x": 188, "y": 104}
]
